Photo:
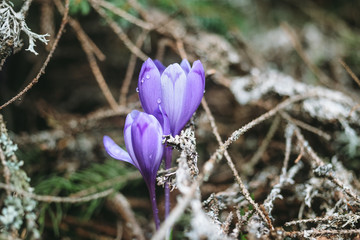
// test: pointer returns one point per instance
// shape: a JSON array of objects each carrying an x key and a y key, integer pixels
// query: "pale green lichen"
[
  {"x": 18, "y": 211},
  {"x": 12, "y": 24}
]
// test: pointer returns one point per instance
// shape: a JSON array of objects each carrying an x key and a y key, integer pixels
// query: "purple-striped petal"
[
  {"x": 194, "y": 92},
  {"x": 115, "y": 151},
  {"x": 146, "y": 133},
  {"x": 173, "y": 87},
  {"x": 128, "y": 138},
  {"x": 185, "y": 65},
  {"x": 149, "y": 87},
  {"x": 159, "y": 66}
]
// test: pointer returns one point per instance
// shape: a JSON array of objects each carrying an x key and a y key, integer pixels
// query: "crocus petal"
[
  {"x": 165, "y": 123},
  {"x": 173, "y": 87},
  {"x": 127, "y": 136},
  {"x": 159, "y": 66},
  {"x": 194, "y": 92},
  {"x": 146, "y": 133},
  {"x": 185, "y": 65},
  {"x": 149, "y": 87},
  {"x": 115, "y": 151}
]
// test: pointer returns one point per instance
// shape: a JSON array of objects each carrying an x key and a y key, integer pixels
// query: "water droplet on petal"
[
  {"x": 158, "y": 100},
  {"x": 204, "y": 91},
  {"x": 142, "y": 81},
  {"x": 147, "y": 76},
  {"x": 137, "y": 89},
  {"x": 150, "y": 156}
]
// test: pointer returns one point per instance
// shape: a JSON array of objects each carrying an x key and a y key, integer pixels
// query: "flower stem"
[
  {"x": 168, "y": 159},
  {"x": 154, "y": 205}
]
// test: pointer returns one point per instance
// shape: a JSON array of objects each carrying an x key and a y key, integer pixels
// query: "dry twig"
[
  {"x": 130, "y": 70},
  {"x": 249, "y": 167},
  {"x": 128, "y": 17},
  {"x": 119, "y": 32},
  {"x": 297, "y": 45},
  {"x": 305, "y": 126},
  {"x": 120, "y": 205},
  {"x": 47, "y": 60},
  {"x": 317, "y": 162},
  {"x": 352, "y": 74},
  {"x": 243, "y": 189},
  {"x": 48, "y": 198}
]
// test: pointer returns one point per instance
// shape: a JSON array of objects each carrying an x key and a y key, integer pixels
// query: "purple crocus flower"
[
  {"x": 143, "y": 140},
  {"x": 177, "y": 88}
]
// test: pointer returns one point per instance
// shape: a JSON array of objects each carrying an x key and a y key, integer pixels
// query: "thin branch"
[
  {"x": 180, "y": 47},
  {"x": 217, "y": 155},
  {"x": 343, "y": 218},
  {"x": 305, "y": 126},
  {"x": 161, "y": 46},
  {"x": 119, "y": 32},
  {"x": 48, "y": 198},
  {"x": 82, "y": 35},
  {"x": 297, "y": 45},
  {"x": 128, "y": 17},
  {"x": 352, "y": 74},
  {"x": 42, "y": 69},
  {"x": 249, "y": 167},
  {"x": 289, "y": 133},
  {"x": 87, "y": 47},
  {"x": 243, "y": 189},
  {"x": 318, "y": 162},
  {"x": 120, "y": 205},
  {"x": 130, "y": 70},
  {"x": 315, "y": 232},
  {"x": 107, "y": 184}
]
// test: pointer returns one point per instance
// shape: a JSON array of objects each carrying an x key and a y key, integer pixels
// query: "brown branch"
[
  {"x": 88, "y": 49},
  {"x": 128, "y": 17},
  {"x": 48, "y": 198},
  {"x": 297, "y": 45},
  {"x": 42, "y": 69},
  {"x": 120, "y": 205},
  {"x": 107, "y": 184},
  {"x": 249, "y": 167},
  {"x": 243, "y": 189},
  {"x": 180, "y": 47},
  {"x": 130, "y": 70},
  {"x": 217, "y": 155},
  {"x": 305, "y": 126},
  {"x": 316, "y": 232},
  {"x": 82, "y": 35},
  {"x": 352, "y": 74},
  {"x": 318, "y": 162},
  {"x": 339, "y": 218},
  {"x": 119, "y": 32},
  {"x": 161, "y": 46}
]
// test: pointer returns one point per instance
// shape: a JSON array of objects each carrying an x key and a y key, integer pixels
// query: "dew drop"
[
  {"x": 150, "y": 156},
  {"x": 204, "y": 91},
  {"x": 158, "y": 100},
  {"x": 137, "y": 89},
  {"x": 142, "y": 80},
  {"x": 147, "y": 76}
]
